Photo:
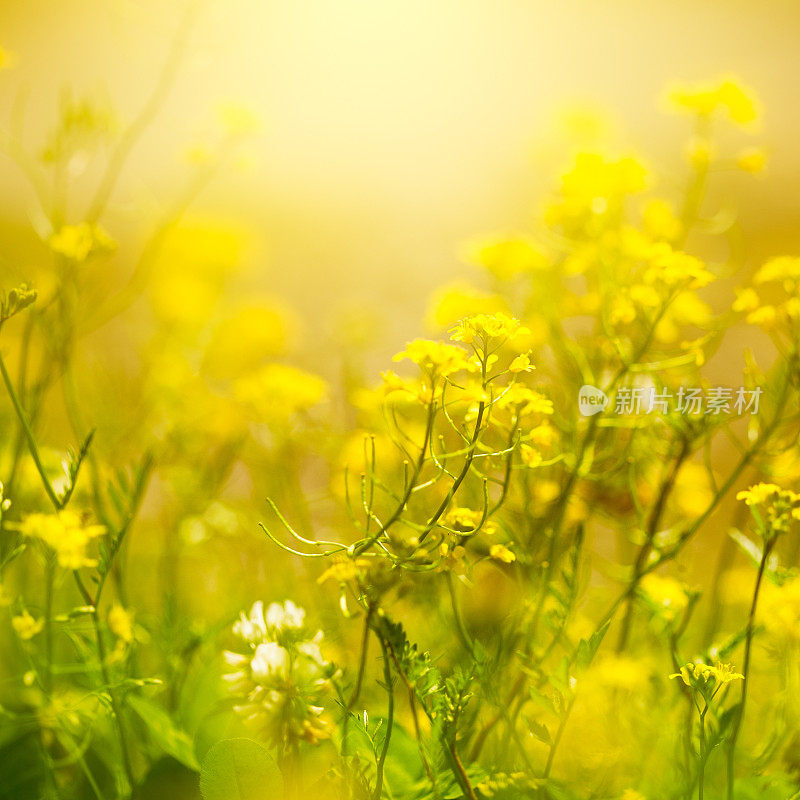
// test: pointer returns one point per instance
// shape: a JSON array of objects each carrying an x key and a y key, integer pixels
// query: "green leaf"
[
  {"x": 539, "y": 730},
  {"x": 166, "y": 780},
  {"x": 164, "y": 732},
  {"x": 240, "y": 769},
  {"x": 587, "y": 648},
  {"x": 22, "y": 769}
]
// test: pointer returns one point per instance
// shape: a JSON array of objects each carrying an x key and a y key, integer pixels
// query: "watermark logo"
[
  {"x": 691, "y": 401},
  {"x": 591, "y": 400}
]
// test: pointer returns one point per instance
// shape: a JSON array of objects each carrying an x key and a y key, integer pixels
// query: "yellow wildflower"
[
  {"x": 522, "y": 363},
  {"x": 672, "y": 267},
  {"x": 530, "y": 456},
  {"x": 467, "y": 520},
  {"x": 120, "y": 623},
  {"x": 25, "y": 626},
  {"x": 764, "y": 316},
  {"x": 500, "y": 552},
  {"x": 505, "y": 257},
  {"x": 746, "y": 300},
  {"x": 491, "y": 326},
  {"x": 782, "y": 268},
  {"x": 242, "y": 342},
  {"x": 66, "y": 534},
  {"x": 622, "y": 311},
  {"x": 660, "y": 221},
  {"x": 780, "y": 507},
  {"x": 693, "y": 492},
  {"x": 666, "y": 594},
  {"x": 752, "y": 160},
  {"x": 726, "y": 95},
  {"x": 343, "y": 571},
  {"x": 435, "y": 357},
  {"x": 704, "y": 678},
  {"x": 277, "y": 391},
  {"x": 78, "y": 242}
]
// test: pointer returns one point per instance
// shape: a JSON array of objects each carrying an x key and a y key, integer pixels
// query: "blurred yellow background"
[{"x": 394, "y": 130}]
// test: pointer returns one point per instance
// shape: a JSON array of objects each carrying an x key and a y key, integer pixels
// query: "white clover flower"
[
  {"x": 270, "y": 661},
  {"x": 286, "y": 616},
  {"x": 279, "y": 677}
]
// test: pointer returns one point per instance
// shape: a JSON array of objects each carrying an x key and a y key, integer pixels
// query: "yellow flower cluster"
[
  {"x": 780, "y": 506},
  {"x": 78, "y": 242},
  {"x": 725, "y": 95},
  {"x": 673, "y": 267},
  {"x": 277, "y": 391},
  {"x": 435, "y": 357},
  {"x": 67, "y": 534},
  {"x": 487, "y": 326},
  {"x": 783, "y": 273},
  {"x": 25, "y": 626},
  {"x": 667, "y": 595},
  {"x": 706, "y": 678},
  {"x": 594, "y": 186},
  {"x": 506, "y": 257}
]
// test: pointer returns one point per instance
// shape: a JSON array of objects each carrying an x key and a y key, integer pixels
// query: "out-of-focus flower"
[
  {"x": 667, "y": 596},
  {"x": 238, "y": 119},
  {"x": 693, "y": 492},
  {"x": 243, "y": 341},
  {"x": 435, "y": 357},
  {"x": 783, "y": 268},
  {"x": 120, "y": 623},
  {"x": 660, "y": 220},
  {"x": 279, "y": 675},
  {"x": 671, "y": 267},
  {"x": 66, "y": 533},
  {"x": 26, "y": 626},
  {"x": 278, "y": 391},
  {"x": 752, "y": 160},
  {"x": 746, "y": 300},
  {"x": 458, "y": 300},
  {"x": 506, "y": 257},
  {"x": 725, "y": 95},
  {"x": 78, "y": 242},
  {"x": 500, "y": 552}
]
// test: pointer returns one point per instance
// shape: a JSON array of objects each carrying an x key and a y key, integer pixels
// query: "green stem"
[
  {"x": 48, "y": 621},
  {"x": 116, "y": 706},
  {"x": 387, "y": 677},
  {"x": 748, "y": 642},
  {"x": 26, "y": 427},
  {"x": 461, "y": 628}
]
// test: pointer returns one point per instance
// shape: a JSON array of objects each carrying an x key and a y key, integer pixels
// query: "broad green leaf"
[
  {"x": 240, "y": 769},
  {"x": 164, "y": 732}
]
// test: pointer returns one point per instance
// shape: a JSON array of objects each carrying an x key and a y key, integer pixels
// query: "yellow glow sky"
[{"x": 394, "y": 130}]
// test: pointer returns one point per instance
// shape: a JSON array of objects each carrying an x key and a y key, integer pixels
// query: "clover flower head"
[{"x": 279, "y": 675}]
